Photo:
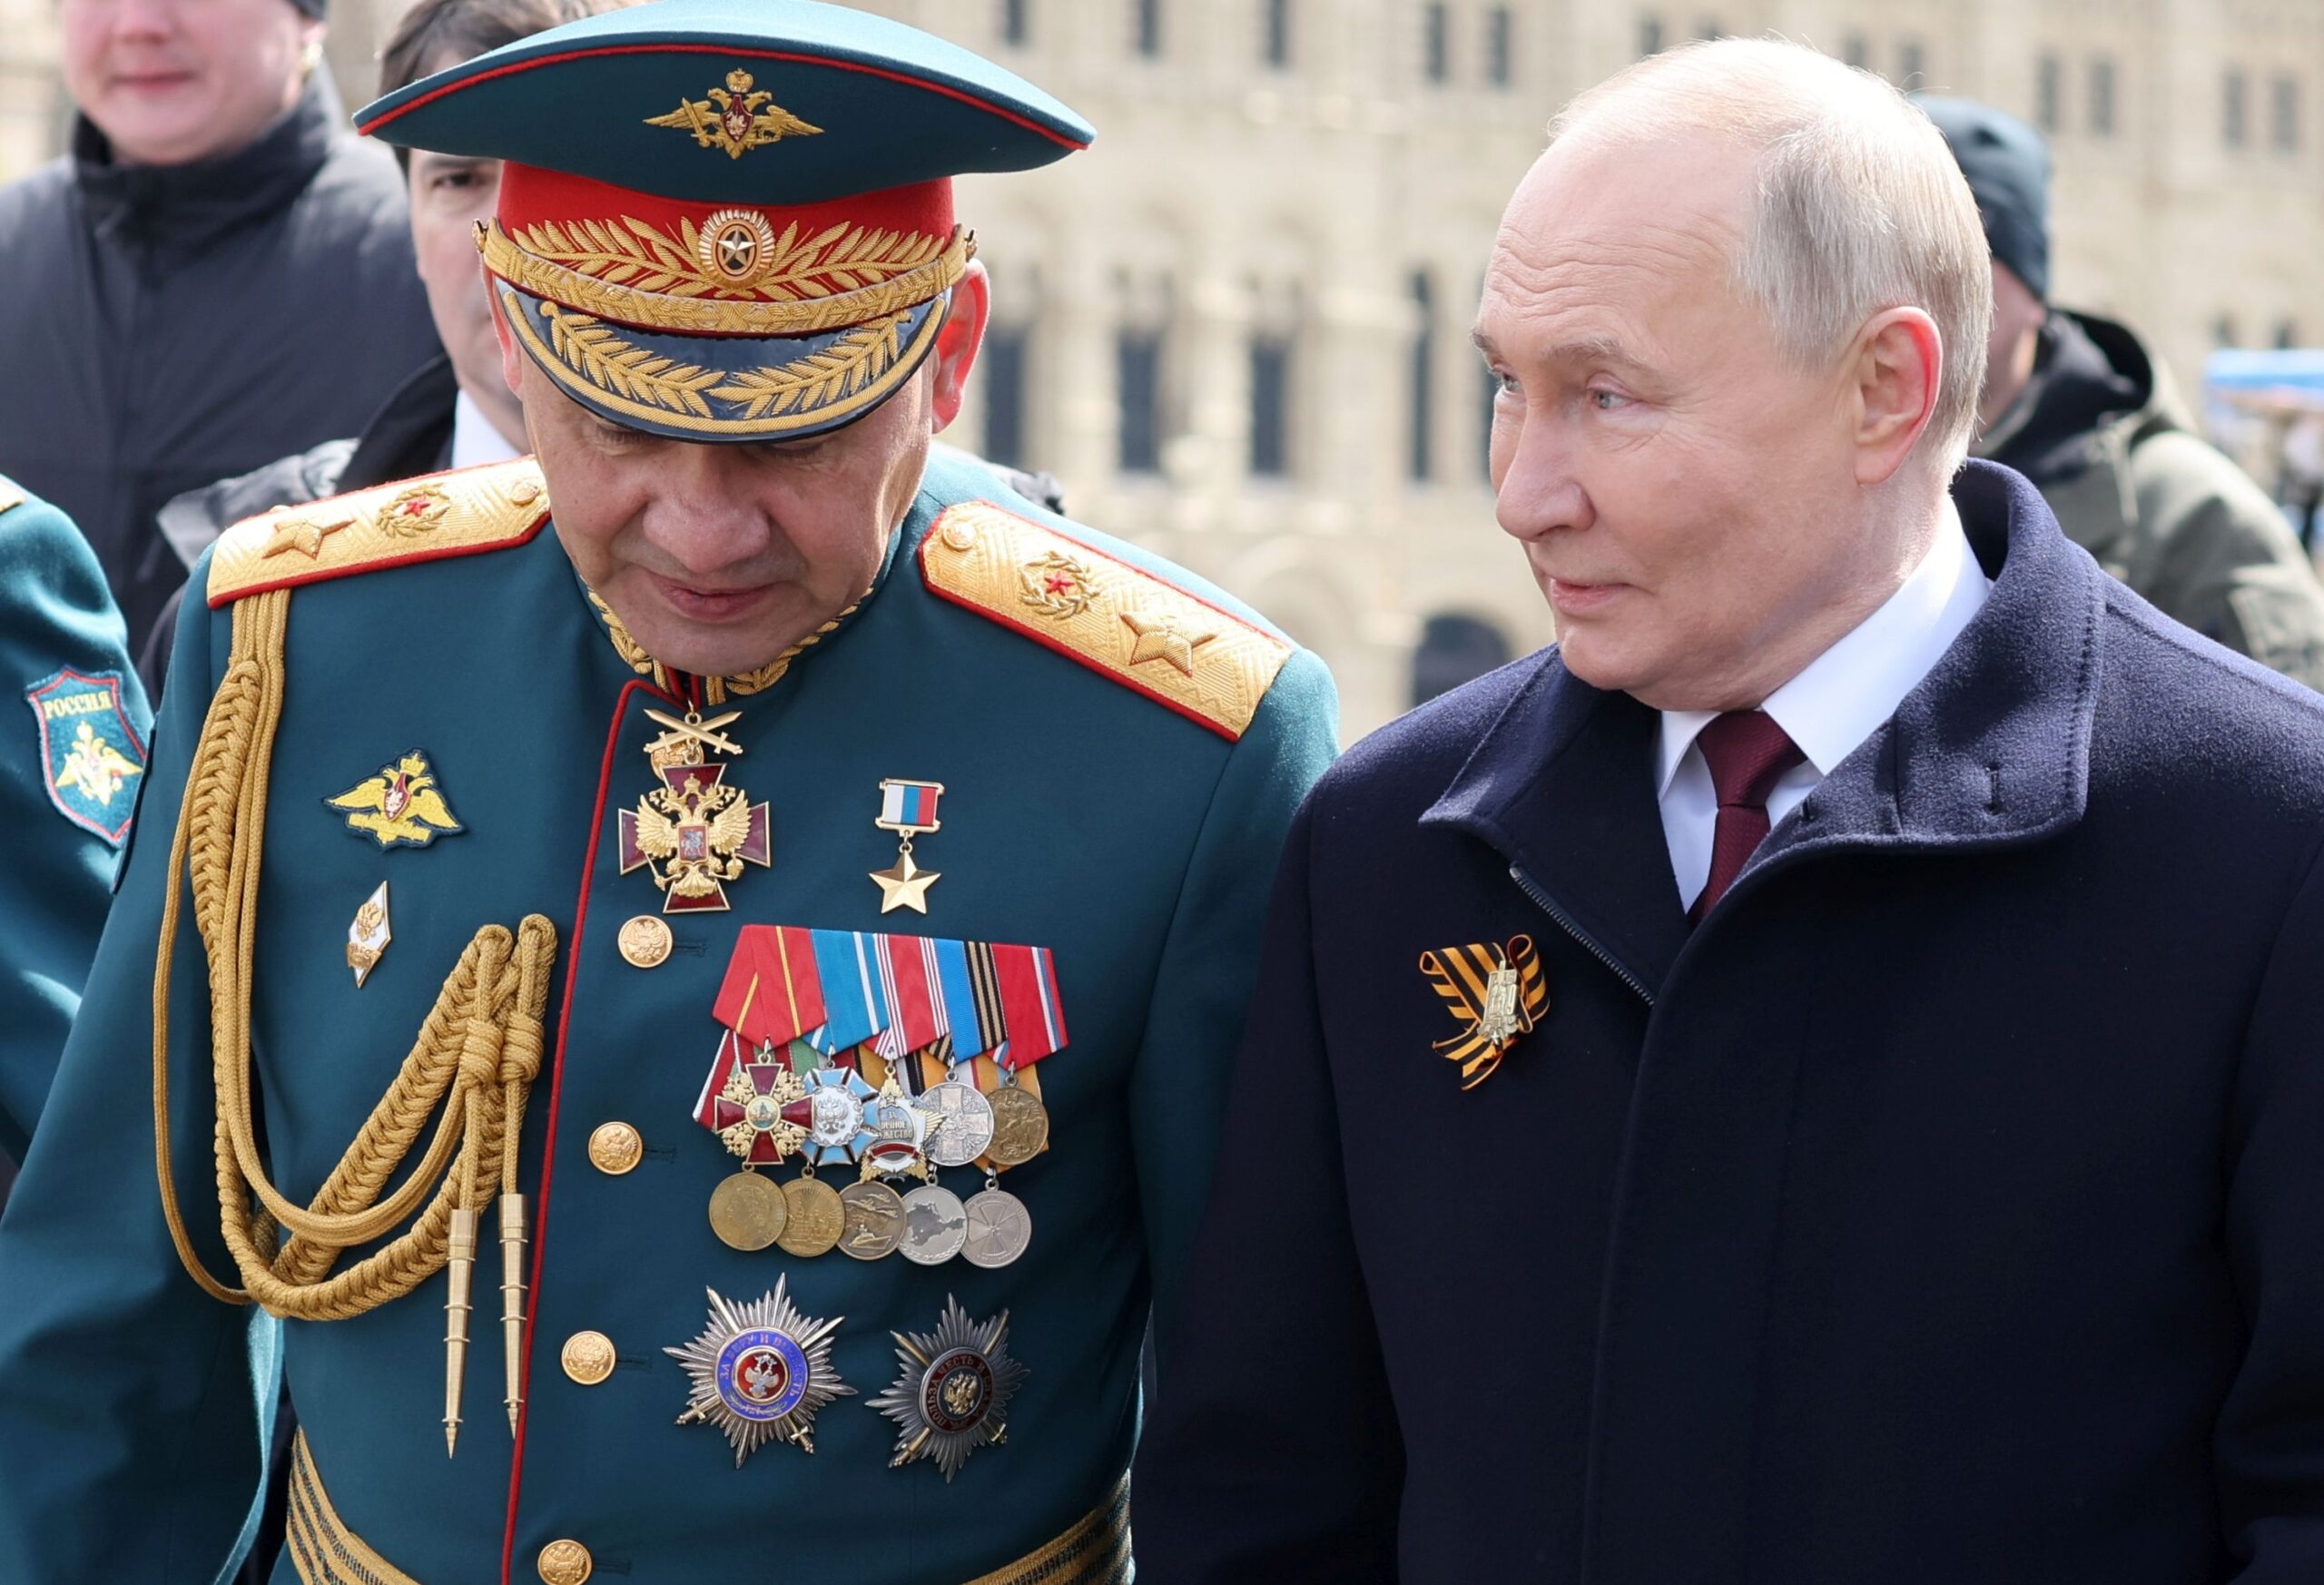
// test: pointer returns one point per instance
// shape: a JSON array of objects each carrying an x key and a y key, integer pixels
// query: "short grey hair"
[{"x": 1861, "y": 205}]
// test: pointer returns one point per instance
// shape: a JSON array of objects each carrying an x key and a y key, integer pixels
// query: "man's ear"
[
  {"x": 512, "y": 362},
  {"x": 1899, "y": 367},
  {"x": 957, "y": 342}
]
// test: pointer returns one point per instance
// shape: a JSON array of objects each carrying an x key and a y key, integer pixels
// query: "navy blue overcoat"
[{"x": 1948, "y": 1209}]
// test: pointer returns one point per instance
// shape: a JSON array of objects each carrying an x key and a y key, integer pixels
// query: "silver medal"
[
  {"x": 935, "y": 1225},
  {"x": 999, "y": 1228},
  {"x": 960, "y": 1122}
]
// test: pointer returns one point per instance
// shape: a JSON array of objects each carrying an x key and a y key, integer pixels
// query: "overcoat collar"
[{"x": 1992, "y": 749}]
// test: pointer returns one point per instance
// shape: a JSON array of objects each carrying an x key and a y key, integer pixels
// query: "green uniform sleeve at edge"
[
  {"x": 55, "y": 612},
  {"x": 130, "y": 1425},
  {"x": 1202, "y": 990}
]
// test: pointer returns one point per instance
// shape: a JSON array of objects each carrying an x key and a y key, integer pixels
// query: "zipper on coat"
[{"x": 1565, "y": 923}]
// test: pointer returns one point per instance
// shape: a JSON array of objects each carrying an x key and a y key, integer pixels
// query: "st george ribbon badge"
[
  {"x": 1495, "y": 992},
  {"x": 761, "y": 1373},
  {"x": 953, "y": 1392},
  {"x": 693, "y": 829}
]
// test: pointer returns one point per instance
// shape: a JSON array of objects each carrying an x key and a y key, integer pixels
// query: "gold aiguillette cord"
[{"x": 470, "y": 1070}]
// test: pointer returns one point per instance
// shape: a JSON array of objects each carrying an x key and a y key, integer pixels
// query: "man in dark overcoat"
[{"x": 1816, "y": 1079}]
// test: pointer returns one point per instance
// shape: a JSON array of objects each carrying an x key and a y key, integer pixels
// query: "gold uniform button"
[
  {"x": 614, "y": 1148},
  {"x": 565, "y": 1563},
  {"x": 588, "y": 1357}
]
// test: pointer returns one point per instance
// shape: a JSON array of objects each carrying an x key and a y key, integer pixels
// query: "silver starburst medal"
[
  {"x": 955, "y": 1387},
  {"x": 761, "y": 1372}
]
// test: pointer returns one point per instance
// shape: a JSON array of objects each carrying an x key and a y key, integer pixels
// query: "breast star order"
[{"x": 1165, "y": 639}]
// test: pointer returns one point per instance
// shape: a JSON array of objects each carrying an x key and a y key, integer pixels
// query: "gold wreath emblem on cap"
[{"x": 736, "y": 246}]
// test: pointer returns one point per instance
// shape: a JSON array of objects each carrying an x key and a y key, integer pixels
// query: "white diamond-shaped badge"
[{"x": 368, "y": 935}]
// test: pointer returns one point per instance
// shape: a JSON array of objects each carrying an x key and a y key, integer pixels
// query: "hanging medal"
[
  {"x": 1015, "y": 987},
  {"x": 694, "y": 830},
  {"x": 748, "y": 1101},
  {"x": 908, "y": 810}
]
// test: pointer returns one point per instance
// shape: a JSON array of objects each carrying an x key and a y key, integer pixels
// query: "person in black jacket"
[
  {"x": 218, "y": 274},
  {"x": 1814, "y": 1079}
]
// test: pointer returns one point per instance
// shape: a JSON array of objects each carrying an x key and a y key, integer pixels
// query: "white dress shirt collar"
[
  {"x": 1836, "y": 702},
  {"x": 475, "y": 441},
  {"x": 1843, "y": 695}
]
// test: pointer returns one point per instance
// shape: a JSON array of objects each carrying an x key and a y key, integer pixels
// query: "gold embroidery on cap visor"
[
  {"x": 634, "y": 274},
  {"x": 653, "y": 387}
]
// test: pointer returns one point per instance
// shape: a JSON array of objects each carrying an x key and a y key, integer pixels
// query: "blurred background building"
[{"x": 1237, "y": 329}]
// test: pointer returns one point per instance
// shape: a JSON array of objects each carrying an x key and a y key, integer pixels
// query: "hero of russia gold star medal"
[
  {"x": 694, "y": 830},
  {"x": 907, "y": 809}
]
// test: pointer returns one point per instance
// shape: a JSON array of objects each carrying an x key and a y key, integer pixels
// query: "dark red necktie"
[{"x": 1748, "y": 753}]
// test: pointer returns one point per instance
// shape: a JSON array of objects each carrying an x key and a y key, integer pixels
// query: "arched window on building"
[
  {"x": 2049, "y": 92},
  {"x": 1650, "y": 36},
  {"x": 2287, "y": 335},
  {"x": 1453, "y": 650},
  {"x": 1277, "y": 316},
  {"x": 1270, "y": 405},
  {"x": 2283, "y": 115},
  {"x": 1015, "y": 25},
  {"x": 1141, "y": 372},
  {"x": 2234, "y": 108},
  {"x": 1275, "y": 45},
  {"x": 2102, "y": 96},
  {"x": 1004, "y": 397},
  {"x": 1419, "y": 441},
  {"x": 1501, "y": 48},
  {"x": 1855, "y": 50},
  {"x": 1146, "y": 27},
  {"x": 2223, "y": 332},
  {"x": 1435, "y": 42}
]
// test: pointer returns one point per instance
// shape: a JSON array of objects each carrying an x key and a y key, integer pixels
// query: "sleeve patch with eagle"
[{"x": 89, "y": 755}]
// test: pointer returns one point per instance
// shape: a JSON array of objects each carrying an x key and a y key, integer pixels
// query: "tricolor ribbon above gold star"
[{"x": 1496, "y": 992}]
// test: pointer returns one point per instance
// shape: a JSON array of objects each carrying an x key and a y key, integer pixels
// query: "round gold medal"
[
  {"x": 644, "y": 941},
  {"x": 815, "y": 1220},
  {"x": 873, "y": 1220},
  {"x": 748, "y": 1211},
  {"x": 1020, "y": 1127}
]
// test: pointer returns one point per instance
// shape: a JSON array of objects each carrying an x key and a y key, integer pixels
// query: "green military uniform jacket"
[
  {"x": 1126, "y": 813},
  {"x": 2160, "y": 508},
  {"x": 69, "y": 778}
]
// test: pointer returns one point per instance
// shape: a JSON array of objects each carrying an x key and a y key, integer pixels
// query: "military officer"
[
  {"x": 69, "y": 781},
  {"x": 695, "y": 976}
]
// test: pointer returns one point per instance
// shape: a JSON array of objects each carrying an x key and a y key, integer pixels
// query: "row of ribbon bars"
[{"x": 836, "y": 989}]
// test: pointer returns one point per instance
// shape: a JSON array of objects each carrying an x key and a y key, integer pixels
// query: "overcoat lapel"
[{"x": 1563, "y": 786}]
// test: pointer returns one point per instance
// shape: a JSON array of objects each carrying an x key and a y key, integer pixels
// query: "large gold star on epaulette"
[
  {"x": 303, "y": 535},
  {"x": 1165, "y": 639}
]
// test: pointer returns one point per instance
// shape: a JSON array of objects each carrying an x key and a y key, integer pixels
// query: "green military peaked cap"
[{"x": 729, "y": 220}]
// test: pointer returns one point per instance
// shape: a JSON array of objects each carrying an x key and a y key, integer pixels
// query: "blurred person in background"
[
  {"x": 217, "y": 273},
  {"x": 2080, "y": 406},
  {"x": 454, "y": 410}
]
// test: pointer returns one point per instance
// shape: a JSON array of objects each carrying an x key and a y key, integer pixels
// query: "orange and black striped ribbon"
[{"x": 1459, "y": 975}]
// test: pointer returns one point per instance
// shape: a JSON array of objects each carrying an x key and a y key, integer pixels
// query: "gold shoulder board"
[
  {"x": 465, "y": 513},
  {"x": 1176, "y": 648},
  {"x": 11, "y": 497}
]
